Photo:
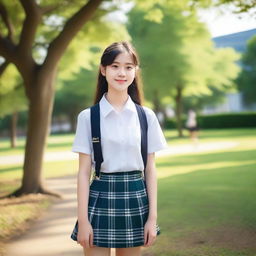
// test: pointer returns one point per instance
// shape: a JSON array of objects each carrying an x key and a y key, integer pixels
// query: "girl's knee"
[
  {"x": 96, "y": 251},
  {"x": 134, "y": 251}
]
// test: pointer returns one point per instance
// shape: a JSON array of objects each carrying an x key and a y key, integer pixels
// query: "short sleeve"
[
  {"x": 82, "y": 140},
  {"x": 156, "y": 139}
]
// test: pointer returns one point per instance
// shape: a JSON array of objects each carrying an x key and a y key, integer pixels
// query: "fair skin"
[{"x": 119, "y": 76}]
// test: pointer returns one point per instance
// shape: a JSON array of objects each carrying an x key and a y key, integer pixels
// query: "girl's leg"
[
  {"x": 134, "y": 251},
  {"x": 97, "y": 251}
]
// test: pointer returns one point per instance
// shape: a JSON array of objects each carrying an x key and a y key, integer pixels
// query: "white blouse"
[{"x": 120, "y": 136}]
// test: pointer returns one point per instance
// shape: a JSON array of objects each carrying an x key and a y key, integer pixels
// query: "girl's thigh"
[
  {"x": 97, "y": 251},
  {"x": 134, "y": 251}
]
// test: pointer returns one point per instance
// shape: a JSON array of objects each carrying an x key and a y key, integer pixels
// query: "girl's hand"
[
  {"x": 149, "y": 232},
  {"x": 85, "y": 235}
]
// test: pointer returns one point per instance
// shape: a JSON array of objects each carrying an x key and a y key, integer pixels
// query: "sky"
[{"x": 222, "y": 21}]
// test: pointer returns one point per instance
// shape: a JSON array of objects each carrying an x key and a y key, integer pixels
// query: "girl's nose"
[{"x": 121, "y": 72}]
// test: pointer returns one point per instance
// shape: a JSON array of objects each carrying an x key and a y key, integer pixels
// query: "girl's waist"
[
  {"x": 126, "y": 175},
  {"x": 118, "y": 183},
  {"x": 122, "y": 173}
]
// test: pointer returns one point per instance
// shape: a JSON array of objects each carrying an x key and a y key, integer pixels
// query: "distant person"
[{"x": 191, "y": 125}]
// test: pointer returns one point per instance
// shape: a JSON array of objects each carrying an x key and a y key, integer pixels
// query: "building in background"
[{"x": 234, "y": 101}]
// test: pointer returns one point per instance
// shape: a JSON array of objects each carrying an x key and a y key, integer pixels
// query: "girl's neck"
[{"x": 117, "y": 99}]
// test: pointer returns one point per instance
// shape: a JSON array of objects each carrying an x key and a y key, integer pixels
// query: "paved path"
[
  {"x": 196, "y": 148},
  {"x": 172, "y": 150},
  {"x": 50, "y": 235}
]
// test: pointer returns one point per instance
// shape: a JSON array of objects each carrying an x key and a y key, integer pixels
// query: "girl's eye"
[
  {"x": 129, "y": 67},
  {"x": 114, "y": 66}
]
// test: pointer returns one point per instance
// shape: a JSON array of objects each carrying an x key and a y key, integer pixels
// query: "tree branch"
[
  {"x": 31, "y": 22},
  {"x": 7, "y": 49},
  {"x": 58, "y": 46},
  {"x": 6, "y": 20},
  {"x": 49, "y": 8}
]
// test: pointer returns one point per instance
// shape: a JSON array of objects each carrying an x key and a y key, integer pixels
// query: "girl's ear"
[{"x": 103, "y": 70}]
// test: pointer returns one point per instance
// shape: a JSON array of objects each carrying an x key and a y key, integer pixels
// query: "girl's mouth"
[{"x": 120, "y": 81}]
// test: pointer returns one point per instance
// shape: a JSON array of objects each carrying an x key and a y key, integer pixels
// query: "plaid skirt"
[{"x": 118, "y": 209}]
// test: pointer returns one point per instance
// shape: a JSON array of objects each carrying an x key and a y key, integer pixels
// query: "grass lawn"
[{"x": 206, "y": 201}]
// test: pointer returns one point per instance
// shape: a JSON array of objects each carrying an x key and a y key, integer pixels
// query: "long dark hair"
[{"x": 107, "y": 58}]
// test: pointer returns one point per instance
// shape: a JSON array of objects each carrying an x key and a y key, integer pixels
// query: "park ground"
[{"x": 206, "y": 196}]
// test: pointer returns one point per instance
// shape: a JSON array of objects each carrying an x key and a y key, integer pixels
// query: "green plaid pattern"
[{"x": 118, "y": 210}]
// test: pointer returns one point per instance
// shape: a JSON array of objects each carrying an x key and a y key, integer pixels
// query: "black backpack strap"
[
  {"x": 144, "y": 134},
  {"x": 96, "y": 137}
]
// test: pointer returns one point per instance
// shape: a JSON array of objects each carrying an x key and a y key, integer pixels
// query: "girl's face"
[{"x": 121, "y": 73}]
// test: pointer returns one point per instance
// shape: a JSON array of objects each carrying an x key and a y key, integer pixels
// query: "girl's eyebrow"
[{"x": 127, "y": 63}]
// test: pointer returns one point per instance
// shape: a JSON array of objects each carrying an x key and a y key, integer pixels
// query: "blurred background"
[{"x": 198, "y": 67}]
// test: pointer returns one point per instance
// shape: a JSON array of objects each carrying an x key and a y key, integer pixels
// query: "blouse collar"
[{"x": 106, "y": 107}]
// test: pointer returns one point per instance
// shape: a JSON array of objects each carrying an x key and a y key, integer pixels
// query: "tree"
[
  {"x": 159, "y": 42},
  {"x": 178, "y": 57},
  {"x": 17, "y": 47}
]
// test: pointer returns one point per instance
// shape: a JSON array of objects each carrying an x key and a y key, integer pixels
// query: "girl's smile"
[{"x": 120, "y": 81}]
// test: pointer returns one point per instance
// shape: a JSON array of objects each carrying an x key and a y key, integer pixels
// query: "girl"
[{"x": 118, "y": 209}]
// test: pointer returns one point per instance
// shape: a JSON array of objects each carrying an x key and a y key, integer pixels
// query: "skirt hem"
[{"x": 74, "y": 237}]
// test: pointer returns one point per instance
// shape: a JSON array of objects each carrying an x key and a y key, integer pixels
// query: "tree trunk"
[
  {"x": 14, "y": 129},
  {"x": 165, "y": 118},
  {"x": 39, "y": 120},
  {"x": 178, "y": 100},
  {"x": 156, "y": 102},
  {"x": 158, "y": 108},
  {"x": 72, "y": 120}
]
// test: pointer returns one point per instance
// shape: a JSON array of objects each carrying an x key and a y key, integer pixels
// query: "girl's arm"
[
  {"x": 83, "y": 183},
  {"x": 151, "y": 183}
]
